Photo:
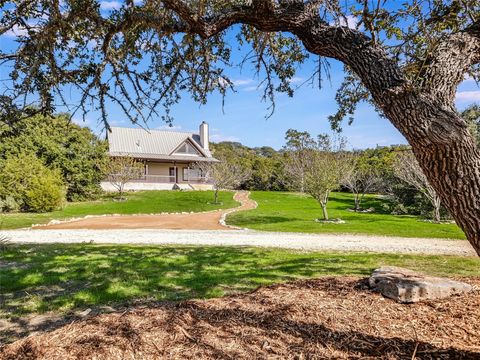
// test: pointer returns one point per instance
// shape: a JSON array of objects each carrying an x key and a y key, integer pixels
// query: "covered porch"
[
  {"x": 171, "y": 172},
  {"x": 167, "y": 175}
]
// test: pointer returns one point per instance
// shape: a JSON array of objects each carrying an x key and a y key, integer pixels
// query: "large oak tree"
[{"x": 406, "y": 57}]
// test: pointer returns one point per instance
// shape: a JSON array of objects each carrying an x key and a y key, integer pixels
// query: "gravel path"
[
  {"x": 208, "y": 220},
  {"x": 297, "y": 241}
]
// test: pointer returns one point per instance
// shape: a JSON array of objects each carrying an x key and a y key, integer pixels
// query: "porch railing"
[
  {"x": 170, "y": 179},
  {"x": 155, "y": 179},
  {"x": 162, "y": 179}
]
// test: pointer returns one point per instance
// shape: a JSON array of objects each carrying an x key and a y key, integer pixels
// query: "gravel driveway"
[{"x": 297, "y": 241}]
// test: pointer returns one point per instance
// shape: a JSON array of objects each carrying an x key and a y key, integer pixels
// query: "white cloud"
[
  {"x": 15, "y": 31},
  {"x": 242, "y": 82},
  {"x": 110, "y": 5},
  {"x": 249, "y": 84},
  {"x": 469, "y": 79},
  {"x": 168, "y": 127},
  {"x": 118, "y": 122},
  {"x": 297, "y": 80},
  {"x": 468, "y": 95},
  {"x": 220, "y": 138},
  {"x": 82, "y": 122},
  {"x": 250, "y": 88},
  {"x": 350, "y": 20}
]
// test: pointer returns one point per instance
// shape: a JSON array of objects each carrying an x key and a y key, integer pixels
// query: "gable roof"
[{"x": 153, "y": 144}]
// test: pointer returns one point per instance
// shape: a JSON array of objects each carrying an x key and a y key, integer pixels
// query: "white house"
[{"x": 169, "y": 157}]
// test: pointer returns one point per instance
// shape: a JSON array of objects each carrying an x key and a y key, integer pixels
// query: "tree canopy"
[{"x": 143, "y": 55}]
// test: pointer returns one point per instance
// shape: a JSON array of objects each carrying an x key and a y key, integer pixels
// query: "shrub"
[
  {"x": 45, "y": 193},
  {"x": 30, "y": 184},
  {"x": 399, "y": 209},
  {"x": 75, "y": 151},
  {"x": 9, "y": 204}
]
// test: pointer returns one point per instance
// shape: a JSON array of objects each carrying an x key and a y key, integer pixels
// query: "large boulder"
[{"x": 407, "y": 286}]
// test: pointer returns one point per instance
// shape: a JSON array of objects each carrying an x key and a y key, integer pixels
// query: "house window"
[
  {"x": 192, "y": 174},
  {"x": 187, "y": 149}
]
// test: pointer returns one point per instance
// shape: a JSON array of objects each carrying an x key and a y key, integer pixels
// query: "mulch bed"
[{"x": 312, "y": 319}]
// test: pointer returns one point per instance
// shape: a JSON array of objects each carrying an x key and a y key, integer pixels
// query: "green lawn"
[
  {"x": 142, "y": 202},
  {"x": 296, "y": 212},
  {"x": 39, "y": 278}
]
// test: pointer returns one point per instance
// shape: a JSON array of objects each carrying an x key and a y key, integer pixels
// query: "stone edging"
[{"x": 223, "y": 218}]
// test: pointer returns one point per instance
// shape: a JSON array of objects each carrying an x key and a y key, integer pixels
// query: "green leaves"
[
  {"x": 143, "y": 58},
  {"x": 60, "y": 144},
  {"x": 30, "y": 183}
]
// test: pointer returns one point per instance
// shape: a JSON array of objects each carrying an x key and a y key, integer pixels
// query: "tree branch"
[{"x": 452, "y": 58}]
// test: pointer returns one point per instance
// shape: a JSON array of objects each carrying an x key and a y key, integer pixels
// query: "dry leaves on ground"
[{"x": 323, "y": 318}]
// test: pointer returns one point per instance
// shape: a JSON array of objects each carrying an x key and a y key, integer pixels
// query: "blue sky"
[{"x": 243, "y": 117}]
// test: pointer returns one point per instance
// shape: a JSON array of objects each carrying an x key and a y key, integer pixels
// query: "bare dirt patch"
[
  {"x": 199, "y": 221},
  {"x": 323, "y": 318}
]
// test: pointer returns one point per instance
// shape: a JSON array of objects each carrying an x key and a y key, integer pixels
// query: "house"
[{"x": 169, "y": 157}]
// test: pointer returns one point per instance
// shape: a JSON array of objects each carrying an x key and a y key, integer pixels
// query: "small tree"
[
  {"x": 326, "y": 167},
  {"x": 121, "y": 170},
  {"x": 223, "y": 174},
  {"x": 406, "y": 168},
  {"x": 298, "y": 147},
  {"x": 362, "y": 178}
]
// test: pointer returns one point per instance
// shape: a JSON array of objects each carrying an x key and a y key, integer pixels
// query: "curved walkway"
[{"x": 211, "y": 220}]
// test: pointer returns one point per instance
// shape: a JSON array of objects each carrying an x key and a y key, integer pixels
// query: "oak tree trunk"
[
  {"x": 448, "y": 156},
  {"x": 453, "y": 170},
  {"x": 424, "y": 113}
]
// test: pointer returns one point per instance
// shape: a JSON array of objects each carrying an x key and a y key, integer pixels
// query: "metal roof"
[
  {"x": 166, "y": 157},
  {"x": 153, "y": 144}
]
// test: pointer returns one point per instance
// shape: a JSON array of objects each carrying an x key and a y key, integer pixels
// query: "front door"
[{"x": 173, "y": 174}]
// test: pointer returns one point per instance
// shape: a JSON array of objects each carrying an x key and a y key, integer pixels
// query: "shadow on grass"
[
  {"x": 261, "y": 220},
  {"x": 64, "y": 278},
  {"x": 367, "y": 203}
]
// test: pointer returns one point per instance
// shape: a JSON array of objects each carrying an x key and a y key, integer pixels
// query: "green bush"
[
  {"x": 45, "y": 193},
  {"x": 9, "y": 204},
  {"x": 30, "y": 184},
  {"x": 75, "y": 151}
]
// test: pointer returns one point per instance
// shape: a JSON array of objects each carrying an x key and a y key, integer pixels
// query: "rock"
[
  {"x": 330, "y": 221},
  {"x": 84, "y": 312},
  {"x": 407, "y": 286}
]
